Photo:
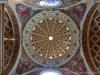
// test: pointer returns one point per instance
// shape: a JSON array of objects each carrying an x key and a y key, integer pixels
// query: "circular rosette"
[{"x": 51, "y": 38}]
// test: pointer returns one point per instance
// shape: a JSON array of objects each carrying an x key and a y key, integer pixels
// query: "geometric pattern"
[
  {"x": 51, "y": 37},
  {"x": 91, "y": 38},
  {"x": 11, "y": 40}
]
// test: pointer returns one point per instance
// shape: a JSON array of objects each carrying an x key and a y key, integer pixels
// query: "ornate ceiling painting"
[
  {"x": 91, "y": 38},
  {"x": 46, "y": 50},
  {"x": 60, "y": 37},
  {"x": 51, "y": 37},
  {"x": 11, "y": 40}
]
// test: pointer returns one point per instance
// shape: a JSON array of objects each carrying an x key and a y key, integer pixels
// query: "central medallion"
[{"x": 50, "y": 38}]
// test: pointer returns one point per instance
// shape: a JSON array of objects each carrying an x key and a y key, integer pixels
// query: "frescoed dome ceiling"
[
  {"x": 50, "y": 38},
  {"x": 60, "y": 35},
  {"x": 91, "y": 38},
  {"x": 11, "y": 40}
]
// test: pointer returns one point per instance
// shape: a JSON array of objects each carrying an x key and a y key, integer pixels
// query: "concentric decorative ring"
[{"x": 50, "y": 38}]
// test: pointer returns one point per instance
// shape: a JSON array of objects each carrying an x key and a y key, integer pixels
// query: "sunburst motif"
[{"x": 51, "y": 38}]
